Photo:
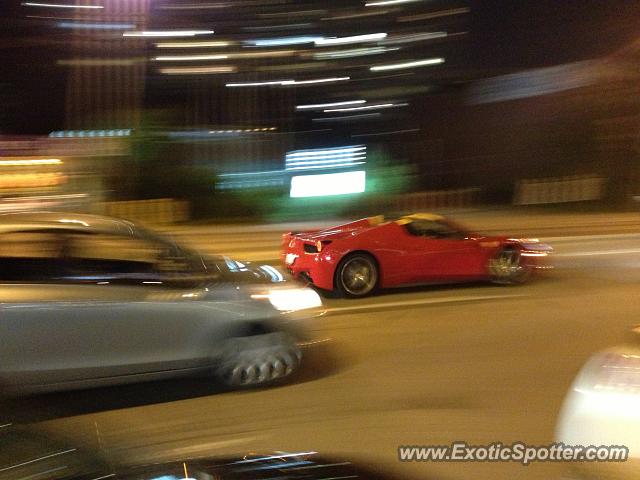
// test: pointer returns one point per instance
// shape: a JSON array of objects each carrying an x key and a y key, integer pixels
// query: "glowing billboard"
[{"x": 328, "y": 184}]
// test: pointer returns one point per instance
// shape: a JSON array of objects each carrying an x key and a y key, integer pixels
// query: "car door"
[
  {"x": 97, "y": 306},
  {"x": 440, "y": 251}
]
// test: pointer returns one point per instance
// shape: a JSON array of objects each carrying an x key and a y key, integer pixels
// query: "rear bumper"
[{"x": 314, "y": 268}]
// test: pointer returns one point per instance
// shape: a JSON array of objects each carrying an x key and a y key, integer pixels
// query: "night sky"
[
  {"x": 504, "y": 36},
  {"x": 516, "y": 34}
]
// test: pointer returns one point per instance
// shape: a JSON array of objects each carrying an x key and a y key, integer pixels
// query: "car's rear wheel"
[
  {"x": 357, "y": 275},
  {"x": 507, "y": 268},
  {"x": 257, "y": 360}
]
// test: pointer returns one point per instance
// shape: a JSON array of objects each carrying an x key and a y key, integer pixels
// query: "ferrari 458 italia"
[{"x": 356, "y": 258}]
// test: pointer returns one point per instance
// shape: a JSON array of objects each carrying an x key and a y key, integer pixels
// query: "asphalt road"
[{"x": 431, "y": 365}]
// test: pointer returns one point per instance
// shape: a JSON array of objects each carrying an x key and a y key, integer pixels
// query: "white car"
[{"x": 603, "y": 408}]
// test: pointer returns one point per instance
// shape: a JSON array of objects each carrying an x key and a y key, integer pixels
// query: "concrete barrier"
[
  {"x": 154, "y": 211},
  {"x": 577, "y": 188},
  {"x": 436, "y": 199}
]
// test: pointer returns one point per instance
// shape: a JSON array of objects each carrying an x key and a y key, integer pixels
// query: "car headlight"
[{"x": 291, "y": 299}]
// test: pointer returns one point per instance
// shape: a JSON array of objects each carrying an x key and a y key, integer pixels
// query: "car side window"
[
  {"x": 432, "y": 229},
  {"x": 99, "y": 256},
  {"x": 30, "y": 256},
  {"x": 77, "y": 256}
]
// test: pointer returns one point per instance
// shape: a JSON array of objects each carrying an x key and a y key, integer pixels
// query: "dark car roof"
[{"x": 78, "y": 221}]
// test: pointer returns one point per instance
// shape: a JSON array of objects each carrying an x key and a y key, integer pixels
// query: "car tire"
[
  {"x": 257, "y": 360},
  {"x": 506, "y": 268},
  {"x": 357, "y": 275}
]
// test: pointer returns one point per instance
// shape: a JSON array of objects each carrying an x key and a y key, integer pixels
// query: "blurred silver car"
[{"x": 88, "y": 300}]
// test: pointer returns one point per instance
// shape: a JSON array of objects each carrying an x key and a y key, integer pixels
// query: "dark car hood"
[
  {"x": 281, "y": 465},
  {"x": 76, "y": 459}
]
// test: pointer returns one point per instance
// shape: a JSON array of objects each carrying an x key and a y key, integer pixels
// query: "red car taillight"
[{"x": 320, "y": 244}]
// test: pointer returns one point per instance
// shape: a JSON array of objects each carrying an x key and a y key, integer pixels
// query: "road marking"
[
  {"x": 599, "y": 252},
  {"x": 424, "y": 301}
]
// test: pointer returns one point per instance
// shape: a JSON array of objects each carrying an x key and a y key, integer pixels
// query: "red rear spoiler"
[{"x": 363, "y": 222}]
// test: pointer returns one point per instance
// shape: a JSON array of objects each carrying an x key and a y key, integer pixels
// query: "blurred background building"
[{"x": 388, "y": 104}]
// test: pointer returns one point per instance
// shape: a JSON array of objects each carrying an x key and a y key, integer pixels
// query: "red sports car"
[{"x": 356, "y": 258}]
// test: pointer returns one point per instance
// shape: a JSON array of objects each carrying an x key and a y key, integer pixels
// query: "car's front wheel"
[
  {"x": 257, "y": 360},
  {"x": 507, "y": 268},
  {"x": 357, "y": 275}
]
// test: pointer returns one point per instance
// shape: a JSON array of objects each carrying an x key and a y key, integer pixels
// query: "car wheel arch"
[
  {"x": 358, "y": 252},
  {"x": 506, "y": 247},
  {"x": 276, "y": 355}
]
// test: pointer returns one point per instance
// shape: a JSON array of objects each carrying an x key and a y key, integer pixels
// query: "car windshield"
[
  {"x": 168, "y": 244},
  {"x": 438, "y": 228}
]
